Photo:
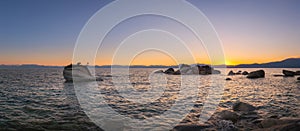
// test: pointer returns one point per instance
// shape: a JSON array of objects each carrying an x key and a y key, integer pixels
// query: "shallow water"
[{"x": 39, "y": 99}]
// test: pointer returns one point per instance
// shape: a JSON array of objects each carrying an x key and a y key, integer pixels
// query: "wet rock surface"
[{"x": 256, "y": 74}]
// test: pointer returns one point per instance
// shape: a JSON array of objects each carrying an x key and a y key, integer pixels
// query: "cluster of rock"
[
  {"x": 251, "y": 75},
  {"x": 245, "y": 113},
  {"x": 288, "y": 73},
  {"x": 185, "y": 69}
]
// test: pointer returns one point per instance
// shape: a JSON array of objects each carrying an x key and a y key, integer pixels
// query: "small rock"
[
  {"x": 288, "y": 73},
  {"x": 256, "y": 74},
  {"x": 241, "y": 106},
  {"x": 298, "y": 78},
  {"x": 169, "y": 71},
  {"x": 99, "y": 79},
  {"x": 228, "y": 79},
  {"x": 228, "y": 115},
  {"x": 159, "y": 71},
  {"x": 245, "y": 73},
  {"x": 231, "y": 73},
  {"x": 297, "y": 73}
]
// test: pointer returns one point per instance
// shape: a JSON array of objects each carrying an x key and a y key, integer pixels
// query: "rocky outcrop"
[
  {"x": 256, "y": 74},
  {"x": 241, "y": 106},
  {"x": 169, "y": 71},
  {"x": 197, "y": 70},
  {"x": 288, "y": 73}
]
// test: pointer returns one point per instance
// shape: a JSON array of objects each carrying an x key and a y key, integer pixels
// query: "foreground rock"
[
  {"x": 288, "y": 73},
  {"x": 228, "y": 115},
  {"x": 256, "y": 74},
  {"x": 241, "y": 106},
  {"x": 169, "y": 71}
]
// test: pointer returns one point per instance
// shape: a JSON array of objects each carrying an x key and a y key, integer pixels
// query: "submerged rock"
[
  {"x": 288, "y": 73},
  {"x": 241, "y": 106},
  {"x": 228, "y": 115},
  {"x": 245, "y": 73},
  {"x": 256, "y": 74},
  {"x": 169, "y": 71}
]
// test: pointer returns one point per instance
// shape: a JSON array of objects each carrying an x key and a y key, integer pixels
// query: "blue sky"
[{"x": 45, "y": 31}]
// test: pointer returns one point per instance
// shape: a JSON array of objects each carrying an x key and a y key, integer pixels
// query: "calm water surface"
[{"x": 38, "y": 99}]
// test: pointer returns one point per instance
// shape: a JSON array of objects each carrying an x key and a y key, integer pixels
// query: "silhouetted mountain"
[{"x": 287, "y": 63}]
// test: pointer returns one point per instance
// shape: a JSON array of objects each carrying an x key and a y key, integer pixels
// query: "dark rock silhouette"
[
  {"x": 245, "y": 73},
  {"x": 288, "y": 73},
  {"x": 231, "y": 73},
  {"x": 228, "y": 79},
  {"x": 169, "y": 71},
  {"x": 256, "y": 74},
  {"x": 177, "y": 72},
  {"x": 278, "y": 75}
]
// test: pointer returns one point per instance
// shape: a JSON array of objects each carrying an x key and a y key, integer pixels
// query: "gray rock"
[
  {"x": 288, "y": 73},
  {"x": 169, "y": 71},
  {"x": 241, "y": 106},
  {"x": 228, "y": 115},
  {"x": 245, "y": 73},
  {"x": 256, "y": 74}
]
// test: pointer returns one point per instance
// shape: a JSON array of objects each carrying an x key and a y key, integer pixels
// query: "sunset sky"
[{"x": 45, "y": 32}]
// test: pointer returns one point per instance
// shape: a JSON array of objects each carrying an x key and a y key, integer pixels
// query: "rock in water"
[
  {"x": 298, "y": 78},
  {"x": 228, "y": 79},
  {"x": 216, "y": 72},
  {"x": 228, "y": 115},
  {"x": 177, "y": 72},
  {"x": 297, "y": 73},
  {"x": 241, "y": 106},
  {"x": 231, "y": 73},
  {"x": 159, "y": 71},
  {"x": 256, "y": 74},
  {"x": 288, "y": 73},
  {"x": 169, "y": 71},
  {"x": 245, "y": 73}
]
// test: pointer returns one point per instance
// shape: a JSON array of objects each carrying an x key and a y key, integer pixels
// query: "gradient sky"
[{"x": 45, "y": 31}]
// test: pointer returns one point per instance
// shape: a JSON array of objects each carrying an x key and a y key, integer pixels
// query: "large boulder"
[
  {"x": 241, "y": 106},
  {"x": 231, "y": 73},
  {"x": 185, "y": 69},
  {"x": 256, "y": 74},
  {"x": 229, "y": 115},
  {"x": 288, "y": 73},
  {"x": 169, "y": 71}
]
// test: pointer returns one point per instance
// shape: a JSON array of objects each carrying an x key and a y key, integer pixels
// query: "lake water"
[{"x": 39, "y": 99}]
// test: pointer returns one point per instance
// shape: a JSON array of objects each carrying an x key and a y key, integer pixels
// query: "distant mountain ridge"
[{"x": 287, "y": 63}]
